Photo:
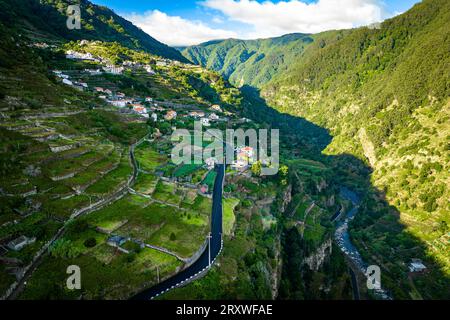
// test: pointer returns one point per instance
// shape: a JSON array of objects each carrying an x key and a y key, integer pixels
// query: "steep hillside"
[
  {"x": 384, "y": 95},
  {"x": 252, "y": 62},
  {"x": 42, "y": 21}
]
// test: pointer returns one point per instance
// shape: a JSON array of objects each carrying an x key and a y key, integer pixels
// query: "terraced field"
[{"x": 51, "y": 167}]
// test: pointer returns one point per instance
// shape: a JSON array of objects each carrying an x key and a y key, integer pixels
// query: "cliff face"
[
  {"x": 287, "y": 198},
  {"x": 316, "y": 260}
]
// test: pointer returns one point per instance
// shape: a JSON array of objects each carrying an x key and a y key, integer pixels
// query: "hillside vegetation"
[
  {"x": 384, "y": 96},
  {"x": 252, "y": 62},
  {"x": 42, "y": 21}
]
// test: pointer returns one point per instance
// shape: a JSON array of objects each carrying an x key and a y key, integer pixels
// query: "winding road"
[{"x": 209, "y": 255}]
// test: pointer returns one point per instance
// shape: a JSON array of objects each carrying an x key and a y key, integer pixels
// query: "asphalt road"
[{"x": 208, "y": 256}]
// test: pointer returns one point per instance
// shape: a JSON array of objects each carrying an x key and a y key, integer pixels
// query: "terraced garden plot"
[
  {"x": 186, "y": 170},
  {"x": 94, "y": 172},
  {"x": 168, "y": 192},
  {"x": 59, "y": 168},
  {"x": 36, "y": 225},
  {"x": 26, "y": 225},
  {"x": 18, "y": 188},
  {"x": 107, "y": 274},
  {"x": 209, "y": 179},
  {"x": 149, "y": 159},
  {"x": 201, "y": 205},
  {"x": 313, "y": 230},
  {"x": 56, "y": 190},
  {"x": 183, "y": 233},
  {"x": 109, "y": 182},
  {"x": 310, "y": 165},
  {"x": 63, "y": 142},
  {"x": 146, "y": 183},
  {"x": 198, "y": 176},
  {"x": 167, "y": 170},
  {"x": 61, "y": 126},
  {"x": 229, "y": 218},
  {"x": 45, "y": 157},
  {"x": 189, "y": 197},
  {"x": 154, "y": 224},
  {"x": 36, "y": 130},
  {"x": 63, "y": 208}
]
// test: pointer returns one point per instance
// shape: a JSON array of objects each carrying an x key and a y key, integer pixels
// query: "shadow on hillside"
[{"x": 376, "y": 231}]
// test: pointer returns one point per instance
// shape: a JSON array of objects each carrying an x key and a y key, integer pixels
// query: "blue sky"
[{"x": 188, "y": 22}]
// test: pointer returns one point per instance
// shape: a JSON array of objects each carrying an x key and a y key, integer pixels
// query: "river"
[{"x": 342, "y": 238}]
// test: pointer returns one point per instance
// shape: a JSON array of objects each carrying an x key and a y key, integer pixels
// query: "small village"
[{"x": 90, "y": 177}]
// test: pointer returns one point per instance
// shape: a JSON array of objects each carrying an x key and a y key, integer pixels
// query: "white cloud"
[
  {"x": 217, "y": 20},
  {"x": 176, "y": 31},
  {"x": 270, "y": 19}
]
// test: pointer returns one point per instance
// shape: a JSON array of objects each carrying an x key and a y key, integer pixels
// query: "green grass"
[
  {"x": 106, "y": 274},
  {"x": 154, "y": 223},
  {"x": 114, "y": 178},
  {"x": 186, "y": 170},
  {"x": 168, "y": 192},
  {"x": 209, "y": 179},
  {"x": 94, "y": 171},
  {"x": 148, "y": 158},
  {"x": 63, "y": 208},
  {"x": 145, "y": 183},
  {"x": 228, "y": 214}
]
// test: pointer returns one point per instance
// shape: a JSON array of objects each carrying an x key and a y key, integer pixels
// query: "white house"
[
  {"x": 161, "y": 63},
  {"x": 210, "y": 162},
  {"x": 139, "y": 109},
  {"x": 213, "y": 116},
  {"x": 205, "y": 122},
  {"x": 154, "y": 117},
  {"x": 417, "y": 265},
  {"x": 79, "y": 56},
  {"x": 67, "y": 81},
  {"x": 149, "y": 69},
  {"x": 171, "y": 114},
  {"x": 196, "y": 114},
  {"x": 113, "y": 69},
  {"x": 118, "y": 103},
  {"x": 239, "y": 164},
  {"x": 20, "y": 242},
  {"x": 93, "y": 72}
]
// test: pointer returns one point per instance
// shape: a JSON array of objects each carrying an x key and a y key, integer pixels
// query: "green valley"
[{"x": 89, "y": 120}]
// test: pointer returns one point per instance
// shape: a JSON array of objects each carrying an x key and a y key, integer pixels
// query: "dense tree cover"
[
  {"x": 252, "y": 62},
  {"x": 399, "y": 65}
]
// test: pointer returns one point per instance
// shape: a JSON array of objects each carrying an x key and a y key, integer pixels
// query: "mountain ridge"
[
  {"x": 383, "y": 93},
  {"x": 42, "y": 21},
  {"x": 252, "y": 62}
]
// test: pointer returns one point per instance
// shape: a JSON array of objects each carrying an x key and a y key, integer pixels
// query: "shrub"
[{"x": 90, "y": 243}]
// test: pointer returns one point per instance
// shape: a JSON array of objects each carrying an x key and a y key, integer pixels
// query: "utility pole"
[
  {"x": 209, "y": 248},
  {"x": 157, "y": 272}
]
